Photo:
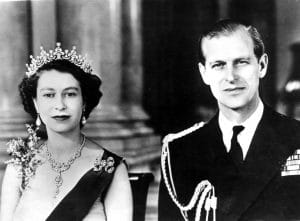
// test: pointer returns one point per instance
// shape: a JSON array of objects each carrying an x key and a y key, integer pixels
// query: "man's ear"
[
  {"x": 203, "y": 73},
  {"x": 263, "y": 65}
]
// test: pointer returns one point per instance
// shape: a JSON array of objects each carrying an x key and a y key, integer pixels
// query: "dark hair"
[
  {"x": 227, "y": 27},
  {"x": 89, "y": 83}
]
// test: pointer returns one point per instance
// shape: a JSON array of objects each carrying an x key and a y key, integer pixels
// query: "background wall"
[{"x": 288, "y": 32}]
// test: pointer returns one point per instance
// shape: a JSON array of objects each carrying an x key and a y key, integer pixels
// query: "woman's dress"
[{"x": 81, "y": 196}]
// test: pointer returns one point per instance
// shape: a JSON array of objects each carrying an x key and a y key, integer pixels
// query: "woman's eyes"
[
  {"x": 71, "y": 94},
  {"x": 48, "y": 95},
  {"x": 67, "y": 94}
]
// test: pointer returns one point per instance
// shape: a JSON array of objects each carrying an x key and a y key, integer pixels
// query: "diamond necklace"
[{"x": 61, "y": 167}]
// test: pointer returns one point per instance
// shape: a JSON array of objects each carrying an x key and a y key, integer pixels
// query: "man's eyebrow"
[
  {"x": 216, "y": 61},
  {"x": 242, "y": 58}
]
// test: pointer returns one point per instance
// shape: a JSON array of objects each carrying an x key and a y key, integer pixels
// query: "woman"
[{"x": 64, "y": 176}]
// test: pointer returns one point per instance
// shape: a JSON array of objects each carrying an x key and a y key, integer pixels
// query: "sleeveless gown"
[{"x": 83, "y": 201}]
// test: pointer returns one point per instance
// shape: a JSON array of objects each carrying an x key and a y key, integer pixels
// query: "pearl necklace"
[{"x": 61, "y": 167}]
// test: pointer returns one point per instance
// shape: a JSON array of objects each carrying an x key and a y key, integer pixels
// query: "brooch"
[
  {"x": 107, "y": 165},
  {"x": 24, "y": 156}
]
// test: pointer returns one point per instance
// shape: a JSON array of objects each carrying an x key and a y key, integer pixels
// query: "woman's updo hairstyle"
[{"x": 89, "y": 83}]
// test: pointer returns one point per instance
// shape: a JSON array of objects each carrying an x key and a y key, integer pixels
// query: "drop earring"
[
  {"x": 38, "y": 121},
  {"x": 83, "y": 120}
]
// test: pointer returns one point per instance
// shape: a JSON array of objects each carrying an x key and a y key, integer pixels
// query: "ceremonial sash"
[{"x": 94, "y": 184}]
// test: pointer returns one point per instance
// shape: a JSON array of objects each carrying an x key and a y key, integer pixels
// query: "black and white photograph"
[{"x": 150, "y": 110}]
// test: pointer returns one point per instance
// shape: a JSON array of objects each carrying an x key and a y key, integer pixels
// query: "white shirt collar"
[{"x": 244, "y": 137}]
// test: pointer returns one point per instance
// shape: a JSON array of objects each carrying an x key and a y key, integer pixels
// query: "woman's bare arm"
[
  {"x": 118, "y": 201},
  {"x": 10, "y": 194}
]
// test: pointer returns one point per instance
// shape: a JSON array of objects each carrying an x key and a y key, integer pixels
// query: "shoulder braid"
[
  {"x": 204, "y": 193},
  {"x": 173, "y": 136}
]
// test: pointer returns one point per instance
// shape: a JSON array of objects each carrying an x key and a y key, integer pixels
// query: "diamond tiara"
[{"x": 57, "y": 54}]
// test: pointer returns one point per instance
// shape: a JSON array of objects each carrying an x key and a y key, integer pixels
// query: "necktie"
[{"x": 236, "y": 152}]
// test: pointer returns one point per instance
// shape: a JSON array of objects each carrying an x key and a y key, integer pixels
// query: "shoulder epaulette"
[{"x": 173, "y": 136}]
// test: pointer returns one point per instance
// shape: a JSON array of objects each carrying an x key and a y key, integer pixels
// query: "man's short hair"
[{"x": 227, "y": 27}]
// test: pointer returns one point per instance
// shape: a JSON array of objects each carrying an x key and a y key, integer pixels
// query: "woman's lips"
[{"x": 61, "y": 117}]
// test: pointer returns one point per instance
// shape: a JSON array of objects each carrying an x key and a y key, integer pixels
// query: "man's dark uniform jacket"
[{"x": 254, "y": 191}]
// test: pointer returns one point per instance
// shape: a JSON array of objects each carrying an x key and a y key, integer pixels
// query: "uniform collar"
[{"x": 245, "y": 137}]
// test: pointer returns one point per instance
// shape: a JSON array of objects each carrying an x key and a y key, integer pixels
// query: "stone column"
[
  {"x": 14, "y": 44},
  {"x": 132, "y": 52},
  {"x": 93, "y": 26},
  {"x": 132, "y": 81},
  {"x": 109, "y": 31},
  {"x": 43, "y": 20}
]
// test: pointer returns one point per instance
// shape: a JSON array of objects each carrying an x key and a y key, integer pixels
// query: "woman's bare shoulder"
[{"x": 93, "y": 149}]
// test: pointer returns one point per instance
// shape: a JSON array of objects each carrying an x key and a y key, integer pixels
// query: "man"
[{"x": 254, "y": 166}]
